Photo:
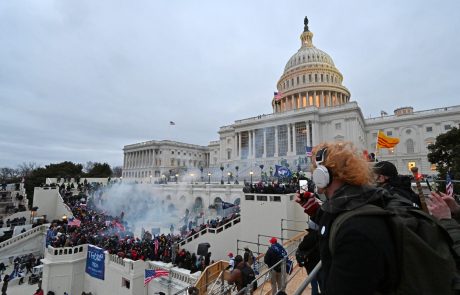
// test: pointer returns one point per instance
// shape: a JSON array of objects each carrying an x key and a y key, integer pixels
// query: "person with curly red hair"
[{"x": 364, "y": 258}]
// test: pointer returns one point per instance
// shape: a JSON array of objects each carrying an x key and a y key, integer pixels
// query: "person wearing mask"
[{"x": 364, "y": 259}]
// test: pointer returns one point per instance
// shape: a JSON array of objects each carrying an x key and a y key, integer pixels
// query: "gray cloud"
[{"x": 80, "y": 79}]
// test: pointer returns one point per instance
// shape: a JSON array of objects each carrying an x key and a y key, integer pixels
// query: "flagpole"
[
  {"x": 376, "y": 145},
  {"x": 169, "y": 282}
]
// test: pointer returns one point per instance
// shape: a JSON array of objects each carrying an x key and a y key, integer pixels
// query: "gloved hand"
[
  {"x": 312, "y": 205},
  {"x": 309, "y": 202}
]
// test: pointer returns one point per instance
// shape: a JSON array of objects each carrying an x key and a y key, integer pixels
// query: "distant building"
[{"x": 311, "y": 106}]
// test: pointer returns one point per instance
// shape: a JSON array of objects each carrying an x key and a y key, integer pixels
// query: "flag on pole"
[
  {"x": 74, "y": 222},
  {"x": 449, "y": 186},
  {"x": 308, "y": 150},
  {"x": 278, "y": 95},
  {"x": 281, "y": 171},
  {"x": 172, "y": 123},
  {"x": 151, "y": 274},
  {"x": 386, "y": 142}
]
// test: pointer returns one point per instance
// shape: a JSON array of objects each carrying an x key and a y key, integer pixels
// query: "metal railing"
[
  {"x": 31, "y": 232},
  {"x": 209, "y": 230},
  {"x": 310, "y": 277}
]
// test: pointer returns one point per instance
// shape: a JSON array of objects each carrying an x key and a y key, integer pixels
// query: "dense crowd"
[
  {"x": 91, "y": 225},
  {"x": 270, "y": 188}
]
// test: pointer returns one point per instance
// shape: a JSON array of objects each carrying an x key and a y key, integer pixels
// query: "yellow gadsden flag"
[{"x": 386, "y": 142}]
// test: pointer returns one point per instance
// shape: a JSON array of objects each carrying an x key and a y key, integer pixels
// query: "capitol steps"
[{"x": 31, "y": 241}]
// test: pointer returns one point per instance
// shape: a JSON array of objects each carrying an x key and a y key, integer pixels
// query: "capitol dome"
[
  {"x": 310, "y": 79},
  {"x": 309, "y": 56}
]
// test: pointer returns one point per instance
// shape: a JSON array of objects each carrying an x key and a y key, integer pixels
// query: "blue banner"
[
  {"x": 95, "y": 262},
  {"x": 281, "y": 171}
]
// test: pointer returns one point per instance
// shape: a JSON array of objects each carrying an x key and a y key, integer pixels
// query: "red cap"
[
  {"x": 273, "y": 240},
  {"x": 230, "y": 254}
]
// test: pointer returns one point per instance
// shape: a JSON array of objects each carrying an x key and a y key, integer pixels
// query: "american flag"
[
  {"x": 150, "y": 274},
  {"x": 308, "y": 150},
  {"x": 74, "y": 222},
  {"x": 278, "y": 95},
  {"x": 449, "y": 186}
]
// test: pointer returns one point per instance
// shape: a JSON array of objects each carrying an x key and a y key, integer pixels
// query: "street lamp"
[
  {"x": 151, "y": 178},
  {"x": 222, "y": 178},
  {"x": 251, "y": 173},
  {"x": 228, "y": 177},
  {"x": 209, "y": 177},
  {"x": 177, "y": 178},
  {"x": 163, "y": 177},
  {"x": 191, "y": 176}
]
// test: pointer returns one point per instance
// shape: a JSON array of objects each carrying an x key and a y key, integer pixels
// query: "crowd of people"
[
  {"x": 11, "y": 223},
  {"x": 273, "y": 187},
  {"x": 91, "y": 225}
]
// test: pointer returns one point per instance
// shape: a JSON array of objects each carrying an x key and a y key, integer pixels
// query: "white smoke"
[{"x": 144, "y": 206}]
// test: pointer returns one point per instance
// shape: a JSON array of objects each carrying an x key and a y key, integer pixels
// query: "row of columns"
[
  {"x": 138, "y": 159},
  {"x": 320, "y": 98},
  {"x": 291, "y": 137}
]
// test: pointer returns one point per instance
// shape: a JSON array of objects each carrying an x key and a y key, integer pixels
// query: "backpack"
[
  {"x": 247, "y": 276},
  {"x": 425, "y": 261}
]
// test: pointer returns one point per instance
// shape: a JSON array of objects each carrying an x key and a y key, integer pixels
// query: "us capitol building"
[{"x": 311, "y": 106}]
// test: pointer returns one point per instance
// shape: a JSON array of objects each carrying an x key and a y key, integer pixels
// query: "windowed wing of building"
[
  {"x": 282, "y": 140},
  {"x": 300, "y": 137},
  {"x": 259, "y": 138},
  {"x": 244, "y": 144},
  {"x": 270, "y": 139}
]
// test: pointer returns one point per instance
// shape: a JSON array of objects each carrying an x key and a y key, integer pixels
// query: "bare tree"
[
  {"x": 88, "y": 166},
  {"x": 25, "y": 169},
  {"x": 7, "y": 173},
  {"x": 117, "y": 171}
]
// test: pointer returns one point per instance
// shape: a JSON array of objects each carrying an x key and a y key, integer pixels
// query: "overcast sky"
[{"x": 81, "y": 79}]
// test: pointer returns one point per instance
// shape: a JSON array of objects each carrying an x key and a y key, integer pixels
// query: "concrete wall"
[
  {"x": 50, "y": 203},
  {"x": 64, "y": 271},
  {"x": 32, "y": 241},
  {"x": 221, "y": 242}
]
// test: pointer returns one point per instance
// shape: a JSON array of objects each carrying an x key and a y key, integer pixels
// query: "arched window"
[{"x": 410, "y": 146}]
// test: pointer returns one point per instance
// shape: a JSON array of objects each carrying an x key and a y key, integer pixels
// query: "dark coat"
[
  {"x": 310, "y": 245},
  {"x": 364, "y": 261},
  {"x": 271, "y": 258}
]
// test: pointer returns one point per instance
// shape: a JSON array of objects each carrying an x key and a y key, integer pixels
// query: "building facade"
[{"x": 311, "y": 106}]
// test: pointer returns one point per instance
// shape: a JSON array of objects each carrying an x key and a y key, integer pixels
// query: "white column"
[
  {"x": 239, "y": 145},
  {"x": 264, "y": 155},
  {"x": 308, "y": 133},
  {"x": 253, "y": 143},
  {"x": 314, "y": 132},
  {"x": 276, "y": 142},
  {"x": 289, "y": 139},
  {"x": 314, "y": 99},
  {"x": 294, "y": 146},
  {"x": 250, "y": 144}
]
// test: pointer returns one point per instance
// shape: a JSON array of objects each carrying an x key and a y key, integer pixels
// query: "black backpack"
[
  {"x": 425, "y": 259},
  {"x": 247, "y": 276}
]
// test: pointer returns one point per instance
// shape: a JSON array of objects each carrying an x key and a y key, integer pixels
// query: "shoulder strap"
[{"x": 367, "y": 209}]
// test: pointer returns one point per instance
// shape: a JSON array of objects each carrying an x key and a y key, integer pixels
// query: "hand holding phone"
[{"x": 303, "y": 186}]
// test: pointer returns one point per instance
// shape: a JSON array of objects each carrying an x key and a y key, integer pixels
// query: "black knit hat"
[{"x": 385, "y": 168}]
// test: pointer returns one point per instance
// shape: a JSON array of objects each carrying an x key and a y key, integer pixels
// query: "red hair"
[{"x": 345, "y": 163}]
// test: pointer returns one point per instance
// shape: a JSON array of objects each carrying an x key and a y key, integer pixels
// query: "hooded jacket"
[{"x": 364, "y": 261}]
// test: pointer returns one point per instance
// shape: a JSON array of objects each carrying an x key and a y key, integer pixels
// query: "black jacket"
[
  {"x": 364, "y": 261},
  {"x": 309, "y": 245},
  {"x": 271, "y": 258}
]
